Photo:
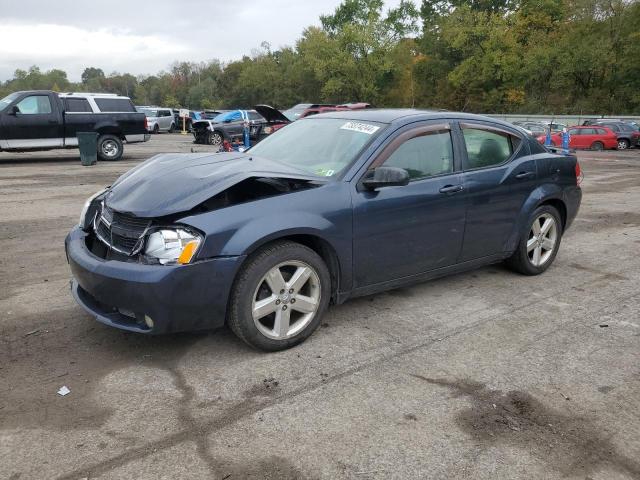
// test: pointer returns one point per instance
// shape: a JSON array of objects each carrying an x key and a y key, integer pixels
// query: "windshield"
[
  {"x": 320, "y": 146},
  {"x": 6, "y": 101}
]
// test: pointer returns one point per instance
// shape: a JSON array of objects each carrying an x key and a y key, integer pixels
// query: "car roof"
[{"x": 405, "y": 115}]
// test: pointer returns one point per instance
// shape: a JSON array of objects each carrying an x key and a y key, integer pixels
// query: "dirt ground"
[{"x": 483, "y": 375}]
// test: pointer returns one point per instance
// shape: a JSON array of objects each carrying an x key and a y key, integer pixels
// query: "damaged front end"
[
  {"x": 201, "y": 131},
  {"x": 163, "y": 240}
]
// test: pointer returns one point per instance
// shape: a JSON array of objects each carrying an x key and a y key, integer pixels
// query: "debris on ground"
[
  {"x": 270, "y": 382},
  {"x": 64, "y": 390}
]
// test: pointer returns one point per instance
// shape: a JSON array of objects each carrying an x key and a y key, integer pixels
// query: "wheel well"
[
  {"x": 560, "y": 206},
  {"x": 322, "y": 248}
]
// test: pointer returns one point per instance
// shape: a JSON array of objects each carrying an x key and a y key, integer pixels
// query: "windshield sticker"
[
  {"x": 360, "y": 127},
  {"x": 325, "y": 172}
]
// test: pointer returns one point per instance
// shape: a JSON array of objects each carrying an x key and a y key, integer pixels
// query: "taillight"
[
  {"x": 146, "y": 124},
  {"x": 579, "y": 175}
]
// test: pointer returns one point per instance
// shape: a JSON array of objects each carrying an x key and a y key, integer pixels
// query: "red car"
[{"x": 589, "y": 137}]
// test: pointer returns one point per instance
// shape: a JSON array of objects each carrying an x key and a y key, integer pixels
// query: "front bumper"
[{"x": 176, "y": 298}]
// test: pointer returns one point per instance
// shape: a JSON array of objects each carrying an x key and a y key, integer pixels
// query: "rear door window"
[
  {"x": 488, "y": 147},
  {"x": 74, "y": 105},
  {"x": 115, "y": 105}
]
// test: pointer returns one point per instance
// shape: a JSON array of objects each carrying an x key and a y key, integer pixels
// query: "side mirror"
[
  {"x": 385, "y": 177},
  {"x": 14, "y": 110}
]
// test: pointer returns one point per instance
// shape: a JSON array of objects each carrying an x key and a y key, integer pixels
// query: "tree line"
[{"x": 489, "y": 56}]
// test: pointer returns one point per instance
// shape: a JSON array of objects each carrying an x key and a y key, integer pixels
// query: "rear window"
[
  {"x": 76, "y": 105},
  {"x": 601, "y": 131},
  {"x": 115, "y": 105}
]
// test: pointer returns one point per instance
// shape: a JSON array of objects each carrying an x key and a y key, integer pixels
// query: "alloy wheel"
[
  {"x": 622, "y": 145},
  {"x": 542, "y": 241},
  {"x": 286, "y": 300},
  {"x": 215, "y": 139}
]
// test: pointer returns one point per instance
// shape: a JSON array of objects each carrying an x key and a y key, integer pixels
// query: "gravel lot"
[{"x": 486, "y": 374}]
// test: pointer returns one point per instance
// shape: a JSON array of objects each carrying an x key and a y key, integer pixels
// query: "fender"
[
  {"x": 324, "y": 213},
  {"x": 541, "y": 194}
]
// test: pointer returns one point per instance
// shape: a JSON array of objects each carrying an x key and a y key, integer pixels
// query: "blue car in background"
[
  {"x": 331, "y": 207},
  {"x": 229, "y": 125}
]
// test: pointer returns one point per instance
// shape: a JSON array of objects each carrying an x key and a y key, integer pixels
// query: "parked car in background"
[
  {"x": 627, "y": 135},
  {"x": 590, "y": 137},
  {"x": 229, "y": 126},
  {"x": 555, "y": 127},
  {"x": 315, "y": 109},
  {"x": 330, "y": 207},
  {"x": 356, "y": 105},
  {"x": 159, "y": 119},
  {"x": 532, "y": 128},
  {"x": 296, "y": 111},
  {"x": 46, "y": 120},
  {"x": 179, "y": 122}
]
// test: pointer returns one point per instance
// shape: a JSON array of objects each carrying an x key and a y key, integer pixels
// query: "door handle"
[
  {"x": 53, "y": 121},
  {"x": 525, "y": 175},
  {"x": 450, "y": 189}
]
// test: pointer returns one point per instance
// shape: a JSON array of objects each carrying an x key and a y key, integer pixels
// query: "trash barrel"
[{"x": 88, "y": 144}]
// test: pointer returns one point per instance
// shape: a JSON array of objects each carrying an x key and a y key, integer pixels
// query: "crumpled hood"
[{"x": 177, "y": 182}]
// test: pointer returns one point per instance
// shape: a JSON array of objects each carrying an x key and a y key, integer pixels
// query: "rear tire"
[
  {"x": 110, "y": 148},
  {"x": 597, "y": 146},
  {"x": 539, "y": 244},
  {"x": 279, "y": 296},
  {"x": 623, "y": 144}
]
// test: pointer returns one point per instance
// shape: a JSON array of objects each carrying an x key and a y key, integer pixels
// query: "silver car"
[{"x": 159, "y": 119}]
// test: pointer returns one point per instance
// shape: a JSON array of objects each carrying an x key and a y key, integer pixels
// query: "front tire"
[
  {"x": 215, "y": 138},
  {"x": 279, "y": 296},
  {"x": 110, "y": 148},
  {"x": 171, "y": 128},
  {"x": 539, "y": 246}
]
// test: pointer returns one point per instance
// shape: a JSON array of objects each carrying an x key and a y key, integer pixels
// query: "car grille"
[{"x": 120, "y": 231}]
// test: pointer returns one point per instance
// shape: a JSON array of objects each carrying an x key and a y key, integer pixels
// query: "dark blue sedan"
[{"x": 328, "y": 208}]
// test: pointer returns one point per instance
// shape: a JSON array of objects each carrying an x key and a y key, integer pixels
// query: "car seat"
[{"x": 491, "y": 153}]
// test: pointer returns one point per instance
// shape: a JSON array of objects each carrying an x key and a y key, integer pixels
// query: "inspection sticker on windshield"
[{"x": 360, "y": 127}]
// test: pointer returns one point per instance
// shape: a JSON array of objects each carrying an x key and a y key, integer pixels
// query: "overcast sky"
[{"x": 144, "y": 37}]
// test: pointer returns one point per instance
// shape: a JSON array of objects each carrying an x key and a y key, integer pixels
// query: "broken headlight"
[
  {"x": 89, "y": 210},
  {"x": 172, "y": 246}
]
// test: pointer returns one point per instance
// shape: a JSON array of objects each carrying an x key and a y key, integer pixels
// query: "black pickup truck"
[{"x": 46, "y": 120}]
